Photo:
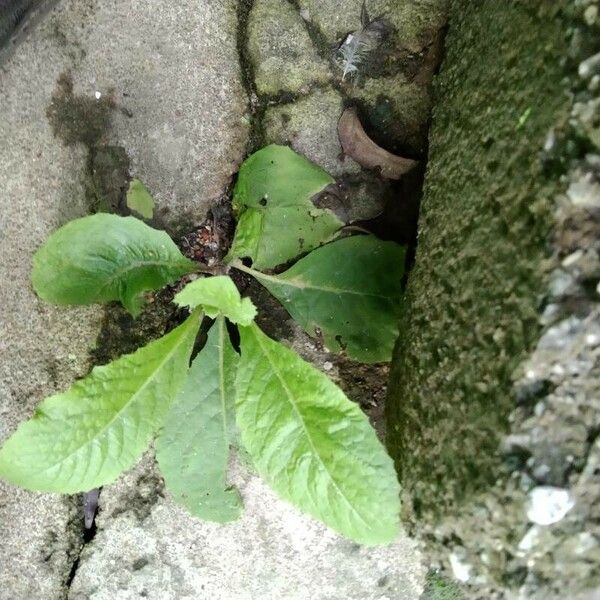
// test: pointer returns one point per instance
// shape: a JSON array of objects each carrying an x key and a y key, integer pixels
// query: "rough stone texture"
[
  {"x": 487, "y": 415},
  {"x": 174, "y": 70},
  {"x": 12, "y": 14},
  {"x": 414, "y": 20},
  {"x": 309, "y": 126},
  {"x": 43, "y": 348},
  {"x": 390, "y": 88},
  {"x": 146, "y": 545},
  {"x": 182, "y": 117},
  {"x": 281, "y": 50},
  {"x": 473, "y": 292}
]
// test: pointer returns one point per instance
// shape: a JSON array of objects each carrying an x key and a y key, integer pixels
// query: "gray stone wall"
[{"x": 493, "y": 408}]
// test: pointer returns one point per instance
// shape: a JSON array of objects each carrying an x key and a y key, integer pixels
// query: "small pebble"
[
  {"x": 548, "y": 505},
  {"x": 460, "y": 569},
  {"x": 591, "y": 14},
  {"x": 529, "y": 540},
  {"x": 590, "y": 66}
]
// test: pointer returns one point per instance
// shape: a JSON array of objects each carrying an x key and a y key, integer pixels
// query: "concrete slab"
[
  {"x": 309, "y": 126},
  {"x": 148, "y": 547}
]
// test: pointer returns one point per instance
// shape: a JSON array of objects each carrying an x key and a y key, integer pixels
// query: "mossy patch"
[
  {"x": 281, "y": 50},
  {"x": 78, "y": 119},
  {"x": 472, "y": 300},
  {"x": 438, "y": 587}
]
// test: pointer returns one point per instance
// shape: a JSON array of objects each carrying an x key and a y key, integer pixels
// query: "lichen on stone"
[{"x": 281, "y": 50}]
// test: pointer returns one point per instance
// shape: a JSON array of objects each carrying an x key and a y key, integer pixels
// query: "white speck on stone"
[
  {"x": 591, "y": 14},
  {"x": 586, "y": 543},
  {"x": 327, "y": 366},
  {"x": 591, "y": 339},
  {"x": 529, "y": 540},
  {"x": 305, "y": 14},
  {"x": 98, "y": 95},
  {"x": 530, "y": 374},
  {"x": 558, "y": 370},
  {"x": 548, "y": 505},
  {"x": 589, "y": 66},
  {"x": 460, "y": 569},
  {"x": 550, "y": 141},
  {"x": 585, "y": 193},
  {"x": 572, "y": 258}
]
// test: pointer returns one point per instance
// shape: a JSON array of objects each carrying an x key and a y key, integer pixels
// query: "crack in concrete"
[
  {"x": 82, "y": 537},
  {"x": 256, "y": 106},
  {"x": 319, "y": 41}
]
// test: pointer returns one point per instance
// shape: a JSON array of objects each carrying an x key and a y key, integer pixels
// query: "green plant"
[{"x": 312, "y": 444}]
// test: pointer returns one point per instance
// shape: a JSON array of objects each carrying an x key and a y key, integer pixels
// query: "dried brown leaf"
[{"x": 359, "y": 146}]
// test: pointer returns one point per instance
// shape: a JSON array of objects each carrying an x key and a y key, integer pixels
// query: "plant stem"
[
  {"x": 240, "y": 266},
  {"x": 218, "y": 269}
]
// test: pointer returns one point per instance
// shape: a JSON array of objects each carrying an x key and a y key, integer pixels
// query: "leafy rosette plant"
[{"x": 313, "y": 445}]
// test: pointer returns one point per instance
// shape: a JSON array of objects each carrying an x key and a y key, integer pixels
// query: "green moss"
[
  {"x": 281, "y": 50},
  {"x": 440, "y": 588},
  {"x": 75, "y": 118},
  {"x": 411, "y": 20},
  {"x": 471, "y": 311}
]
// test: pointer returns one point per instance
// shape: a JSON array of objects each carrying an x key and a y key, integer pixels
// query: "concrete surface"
[
  {"x": 414, "y": 20},
  {"x": 309, "y": 126},
  {"x": 180, "y": 113},
  {"x": 42, "y": 348},
  {"x": 281, "y": 51},
  {"x": 147, "y": 546}
]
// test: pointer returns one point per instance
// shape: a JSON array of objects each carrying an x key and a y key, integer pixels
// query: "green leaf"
[
  {"x": 349, "y": 291},
  {"x": 277, "y": 219},
  {"x": 217, "y": 295},
  {"x": 193, "y": 448},
  {"x": 105, "y": 257},
  {"x": 314, "y": 447},
  {"x": 84, "y": 437},
  {"x": 139, "y": 199}
]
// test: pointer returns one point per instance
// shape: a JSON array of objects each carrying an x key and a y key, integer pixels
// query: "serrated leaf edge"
[{"x": 290, "y": 397}]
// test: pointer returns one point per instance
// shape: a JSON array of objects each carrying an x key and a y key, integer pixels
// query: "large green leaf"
[
  {"x": 84, "y": 437},
  {"x": 193, "y": 448},
  {"x": 217, "y": 295},
  {"x": 314, "y": 446},
  {"x": 348, "y": 290},
  {"x": 277, "y": 219},
  {"x": 105, "y": 257}
]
